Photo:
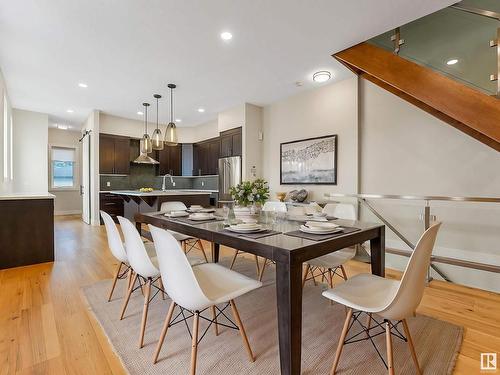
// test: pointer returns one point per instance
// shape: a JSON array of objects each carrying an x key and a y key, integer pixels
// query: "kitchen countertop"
[
  {"x": 14, "y": 196},
  {"x": 159, "y": 193}
]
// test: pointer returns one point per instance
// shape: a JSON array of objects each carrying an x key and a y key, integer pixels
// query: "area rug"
[{"x": 437, "y": 342}]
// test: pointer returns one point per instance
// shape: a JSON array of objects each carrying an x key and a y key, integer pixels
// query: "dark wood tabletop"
[{"x": 289, "y": 253}]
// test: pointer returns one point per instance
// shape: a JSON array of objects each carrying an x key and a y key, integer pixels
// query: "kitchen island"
[{"x": 136, "y": 201}]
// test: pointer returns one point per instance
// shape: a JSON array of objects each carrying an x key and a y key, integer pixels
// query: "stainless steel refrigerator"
[{"x": 229, "y": 175}]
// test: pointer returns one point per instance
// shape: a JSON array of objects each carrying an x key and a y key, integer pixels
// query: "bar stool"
[
  {"x": 188, "y": 243},
  {"x": 392, "y": 300},
  {"x": 197, "y": 289}
]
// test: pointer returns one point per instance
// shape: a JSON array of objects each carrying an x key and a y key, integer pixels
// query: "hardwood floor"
[{"x": 45, "y": 326}]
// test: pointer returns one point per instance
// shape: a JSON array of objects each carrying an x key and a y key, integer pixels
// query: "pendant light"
[
  {"x": 146, "y": 144},
  {"x": 156, "y": 137},
  {"x": 171, "y": 132}
]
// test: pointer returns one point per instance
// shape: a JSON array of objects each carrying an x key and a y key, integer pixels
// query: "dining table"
[{"x": 289, "y": 252}]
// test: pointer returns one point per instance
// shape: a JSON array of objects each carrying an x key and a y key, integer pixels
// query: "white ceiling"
[{"x": 127, "y": 50}]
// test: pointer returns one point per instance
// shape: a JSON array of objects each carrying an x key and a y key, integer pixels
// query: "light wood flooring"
[{"x": 46, "y": 328}]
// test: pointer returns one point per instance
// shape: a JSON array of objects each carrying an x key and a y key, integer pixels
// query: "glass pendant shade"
[
  {"x": 156, "y": 140},
  {"x": 146, "y": 144},
  {"x": 171, "y": 135}
]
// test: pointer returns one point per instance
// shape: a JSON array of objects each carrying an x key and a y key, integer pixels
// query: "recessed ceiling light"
[
  {"x": 69, "y": 110},
  {"x": 62, "y": 127},
  {"x": 178, "y": 120},
  {"x": 226, "y": 36},
  {"x": 452, "y": 61},
  {"x": 322, "y": 76},
  {"x": 140, "y": 113},
  {"x": 83, "y": 85},
  {"x": 201, "y": 110}
]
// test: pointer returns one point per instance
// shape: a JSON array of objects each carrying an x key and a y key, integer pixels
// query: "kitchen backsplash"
[{"x": 143, "y": 175}]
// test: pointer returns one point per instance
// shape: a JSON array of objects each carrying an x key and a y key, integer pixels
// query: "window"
[{"x": 63, "y": 168}]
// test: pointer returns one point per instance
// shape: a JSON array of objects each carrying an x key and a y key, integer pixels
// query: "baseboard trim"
[{"x": 71, "y": 212}]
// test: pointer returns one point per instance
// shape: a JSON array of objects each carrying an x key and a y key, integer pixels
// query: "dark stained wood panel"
[
  {"x": 122, "y": 156},
  {"x": 27, "y": 232},
  {"x": 106, "y": 154},
  {"x": 462, "y": 107}
]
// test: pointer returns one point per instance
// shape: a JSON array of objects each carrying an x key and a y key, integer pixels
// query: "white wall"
[
  {"x": 110, "y": 124},
  {"x": 92, "y": 124},
  {"x": 6, "y": 162},
  {"x": 252, "y": 146},
  {"x": 406, "y": 151},
  {"x": 30, "y": 163},
  {"x": 231, "y": 118},
  {"x": 67, "y": 201},
  {"x": 331, "y": 109}
]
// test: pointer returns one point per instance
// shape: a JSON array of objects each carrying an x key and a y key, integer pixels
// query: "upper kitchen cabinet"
[
  {"x": 170, "y": 159},
  {"x": 230, "y": 143},
  {"x": 114, "y": 154},
  {"x": 206, "y": 157}
]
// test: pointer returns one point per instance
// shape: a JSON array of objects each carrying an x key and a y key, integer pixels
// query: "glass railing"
[{"x": 454, "y": 41}]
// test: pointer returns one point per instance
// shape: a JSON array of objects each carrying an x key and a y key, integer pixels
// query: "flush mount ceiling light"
[
  {"x": 201, "y": 110},
  {"x": 178, "y": 120},
  {"x": 452, "y": 61},
  {"x": 69, "y": 110},
  {"x": 322, "y": 76},
  {"x": 226, "y": 36},
  {"x": 156, "y": 137},
  {"x": 62, "y": 127},
  {"x": 83, "y": 85},
  {"x": 171, "y": 131},
  {"x": 140, "y": 113}
]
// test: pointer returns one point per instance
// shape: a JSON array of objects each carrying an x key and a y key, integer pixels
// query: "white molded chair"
[
  {"x": 118, "y": 250},
  {"x": 187, "y": 242},
  {"x": 145, "y": 269},
  {"x": 328, "y": 265},
  {"x": 197, "y": 289},
  {"x": 392, "y": 300}
]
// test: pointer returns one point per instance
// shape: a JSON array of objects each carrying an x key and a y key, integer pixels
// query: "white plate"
[
  {"x": 236, "y": 230},
  {"x": 201, "y": 217},
  {"x": 176, "y": 214},
  {"x": 308, "y": 230},
  {"x": 320, "y": 225},
  {"x": 207, "y": 210}
]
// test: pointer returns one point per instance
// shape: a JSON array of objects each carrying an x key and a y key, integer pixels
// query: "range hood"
[{"x": 145, "y": 159}]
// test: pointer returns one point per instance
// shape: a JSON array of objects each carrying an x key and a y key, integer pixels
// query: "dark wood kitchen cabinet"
[
  {"x": 114, "y": 154},
  {"x": 206, "y": 157},
  {"x": 170, "y": 159},
  {"x": 230, "y": 143},
  {"x": 111, "y": 204}
]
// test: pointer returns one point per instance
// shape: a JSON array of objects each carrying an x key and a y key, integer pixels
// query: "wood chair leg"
[
  {"x": 257, "y": 264},
  {"x": 115, "y": 279},
  {"x": 130, "y": 275},
  {"x": 164, "y": 331},
  {"x": 127, "y": 298},
  {"x": 340, "y": 346},
  {"x": 147, "y": 293},
  {"x": 160, "y": 284},
  {"x": 388, "y": 341},
  {"x": 234, "y": 259},
  {"x": 313, "y": 277},
  {"x": 304, "y": 277},
  {"x": 412, "y": 348},
  {"x": 344, "y": 274},
  {"x": 243, "y": 334},
  {"x": 194, "y": 342},
  {"x": 214, "y": 317},
  {"x": 184, "y": 246},
  {"x": 262, "y": 269},
  {"x": 330, "y": 281},
  {"x": 202, "y": 249}
]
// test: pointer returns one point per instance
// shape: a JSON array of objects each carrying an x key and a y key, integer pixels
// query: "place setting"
[
  {"x": 320, "y": 231},
  {"x": 252, "y": 230},
  {"x": 195, "y": 214}
]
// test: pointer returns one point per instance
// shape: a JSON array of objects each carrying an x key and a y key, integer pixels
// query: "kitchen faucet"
[{"x": 163, "y": 187}]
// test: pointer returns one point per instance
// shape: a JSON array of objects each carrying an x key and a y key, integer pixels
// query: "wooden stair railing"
[{"x": 471, "y": 111}]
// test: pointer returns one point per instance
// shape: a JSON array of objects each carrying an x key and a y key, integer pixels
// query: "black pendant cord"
[
  {"x": 171, "y": 104},
  {"x": 157, "y": 96}
]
